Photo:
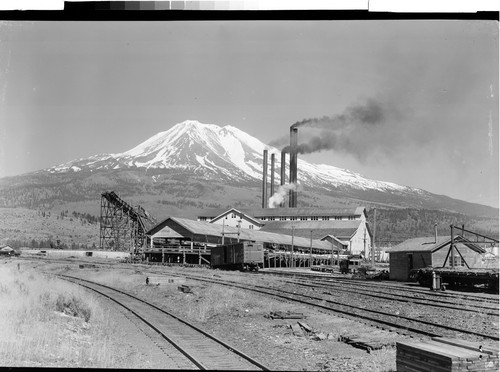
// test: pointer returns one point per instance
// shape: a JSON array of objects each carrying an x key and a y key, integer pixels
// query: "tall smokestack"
[
  {"x": 282, "y": 172},
  {"x": 272, "y": 173},
  {"x": 283, "y": 168},
  {"x": 264, "y": 181},
  {"x": 293, "y": 165}
]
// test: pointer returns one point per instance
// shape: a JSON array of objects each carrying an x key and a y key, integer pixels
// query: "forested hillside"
[{"x": 396, "y": 225}]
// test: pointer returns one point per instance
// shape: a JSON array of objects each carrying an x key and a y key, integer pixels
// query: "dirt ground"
[
  {"x": 245, "y": 324},
  {"x": 240, "y": 319},
  {"x": 270, "y": 341}
]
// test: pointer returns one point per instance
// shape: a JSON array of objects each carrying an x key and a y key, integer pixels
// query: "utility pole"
[
  {"x": 223, "y": 224},
  {"x": 310, "y": 250},
  {"x": 239, "y": 227},
  {"x": 338, "y": 256},
  {"x": 293, "y": 233},
  {"x": 332, "y": 254},
  {"x": 374, "y": 234},
  {"x": 364, "y": 244},
  {"x": 452, "y": 258}
]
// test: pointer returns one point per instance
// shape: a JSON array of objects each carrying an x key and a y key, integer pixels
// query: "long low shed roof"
[
  {"x": 432, "y": 244},
  {"x": 342, "y": 229},
  {"x": 202, "y": 230}
]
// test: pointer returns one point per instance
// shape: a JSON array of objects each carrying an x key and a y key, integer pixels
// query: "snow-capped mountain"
[
  {"x": 227, "y": 152},
  {"x": 204, "y": 149},
  {"x": 193, "y": 166}
]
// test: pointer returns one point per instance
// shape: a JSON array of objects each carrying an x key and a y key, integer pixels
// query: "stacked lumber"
[{"x": 445, "y": 355}]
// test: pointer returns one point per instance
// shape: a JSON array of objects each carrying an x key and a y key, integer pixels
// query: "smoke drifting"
[
  {"x": 352, "y": 131},
  {"x": 370, "y": 113},
  {"x": 281, "y": 194}
]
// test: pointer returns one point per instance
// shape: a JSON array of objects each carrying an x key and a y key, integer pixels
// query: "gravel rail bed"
[
  {"x": 188, "y": 347},
  {"x": 418, "y": 319}
]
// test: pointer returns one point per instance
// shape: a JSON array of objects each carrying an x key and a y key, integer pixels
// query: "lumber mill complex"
[{"x": 292, "y": 236}]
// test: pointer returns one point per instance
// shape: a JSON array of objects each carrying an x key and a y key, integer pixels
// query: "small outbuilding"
[
  {"x": 433, "y": 251},
  {"x": 6, "y": 250}
]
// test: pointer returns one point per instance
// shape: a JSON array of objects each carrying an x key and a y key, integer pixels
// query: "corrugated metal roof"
[
  {"x": 430, "y": 244},
  {"x": 340, "y": 229},
  {"x": 270, "y": 212},
  {"x": 209, "y": 229}
]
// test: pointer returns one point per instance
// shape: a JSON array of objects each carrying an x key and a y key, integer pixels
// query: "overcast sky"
[{"x": 74, "y": 89}]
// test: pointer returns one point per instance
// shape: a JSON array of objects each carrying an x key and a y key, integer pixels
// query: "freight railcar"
[
  {"x": 241, "y": 256},
  {"x": 488, "y": 278}
]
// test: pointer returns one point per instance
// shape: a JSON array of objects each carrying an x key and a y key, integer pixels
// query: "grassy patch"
[
  {"x": 382, "y": 360},
  {"x": 49, "y": 322}
]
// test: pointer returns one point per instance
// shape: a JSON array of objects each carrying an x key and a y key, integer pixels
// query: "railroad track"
[
  {"x": 394, "y": 322},
  {"x": 411, "y": 325},
  {"x": 382, "y": 293},
  {"x": 190, "y": 347},
  {"x": 339, "y": 278}
]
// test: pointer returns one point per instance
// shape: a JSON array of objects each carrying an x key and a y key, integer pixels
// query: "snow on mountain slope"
[{"x": 220, "y": 152}]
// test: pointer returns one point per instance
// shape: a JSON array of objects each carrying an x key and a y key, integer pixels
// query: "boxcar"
[{"x": 241, "y": 256}]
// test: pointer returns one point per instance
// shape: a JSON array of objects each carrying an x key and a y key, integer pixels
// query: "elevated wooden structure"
[{"x": 122, "y": 227}]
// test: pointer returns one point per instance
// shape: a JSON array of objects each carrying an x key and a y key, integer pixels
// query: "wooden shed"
[{"x": 432, "y": 251}]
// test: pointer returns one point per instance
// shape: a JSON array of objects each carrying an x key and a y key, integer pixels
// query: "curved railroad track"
[
  {"x": 370, "y": 313},
  {"x": 189, "y": 346},
  {"x": 451, "y": 321}
]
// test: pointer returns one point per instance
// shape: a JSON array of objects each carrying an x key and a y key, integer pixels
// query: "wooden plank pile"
[
  {"x": 284, "y": 315},
  {"x": 370, "y": 341},
  {"x": 445, "y": 355}
]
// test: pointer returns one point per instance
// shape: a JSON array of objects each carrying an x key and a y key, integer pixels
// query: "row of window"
[
  {"x": 293, "y": 218},
  {"x": 305, "y": 218}
]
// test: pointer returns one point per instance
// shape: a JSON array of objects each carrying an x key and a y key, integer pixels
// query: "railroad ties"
[{"x": 203, "y": 350}]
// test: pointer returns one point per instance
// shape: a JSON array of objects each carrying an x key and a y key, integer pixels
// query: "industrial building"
[
  {"x": 351, "y": 236},
  {"x": 188, "y": 241},
  {"x": 433, "y": 251},
  {"x": 346, "y": 228},
  {"x": 312, "y": 234},
  {"x": 259, "y": 216}
]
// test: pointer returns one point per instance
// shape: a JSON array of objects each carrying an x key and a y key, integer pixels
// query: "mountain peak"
[
  {"x": 192, "y": 124},
  {"x": 197, "y": 152},
  {"x": 224, "y": 153}
]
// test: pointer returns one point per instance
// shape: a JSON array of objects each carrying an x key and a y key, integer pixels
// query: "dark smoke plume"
[
  {"x": 349, "y": 131},
  {"x": 370, "y": 113}
]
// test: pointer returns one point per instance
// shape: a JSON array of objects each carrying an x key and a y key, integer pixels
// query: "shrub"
[{"x": 73, "y": 306}]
